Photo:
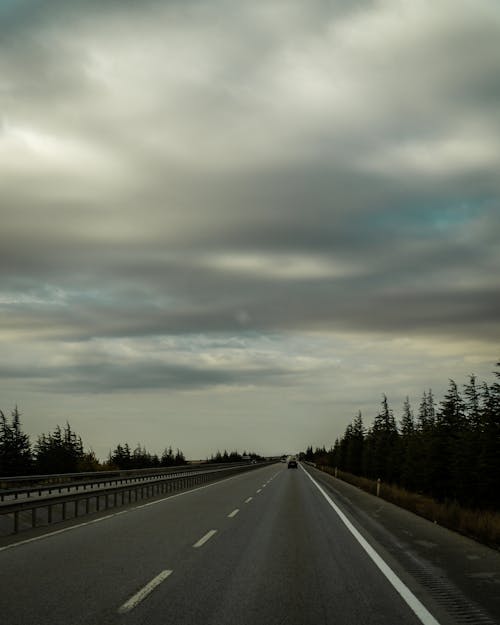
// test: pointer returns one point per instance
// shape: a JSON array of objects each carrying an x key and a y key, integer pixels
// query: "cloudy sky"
[{"x": 232, "y": 225}]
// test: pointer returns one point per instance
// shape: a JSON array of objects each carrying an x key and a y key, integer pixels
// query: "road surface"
[{"x": 274, "y": 546}]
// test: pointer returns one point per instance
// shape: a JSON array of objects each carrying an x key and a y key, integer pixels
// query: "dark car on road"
[{"x": 292, "y": 463}]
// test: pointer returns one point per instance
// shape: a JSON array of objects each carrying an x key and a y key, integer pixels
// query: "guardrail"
[
  {"x": 11, "y": 486},
  {"x": 30, "y": 514}
]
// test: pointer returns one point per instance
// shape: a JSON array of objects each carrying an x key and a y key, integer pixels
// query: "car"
[{"x": 292, "y": 463}]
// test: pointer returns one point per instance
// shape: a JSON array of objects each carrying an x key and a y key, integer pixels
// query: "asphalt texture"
[{"x": 263, "y": 547}]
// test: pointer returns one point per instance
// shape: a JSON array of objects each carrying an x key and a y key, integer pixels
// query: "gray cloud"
[
  {"x": 184, "y": 170},
  {"x": 138, "y": 375}
]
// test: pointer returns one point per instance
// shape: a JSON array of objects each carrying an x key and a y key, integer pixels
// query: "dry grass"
[{"x": 481, "y": 525}]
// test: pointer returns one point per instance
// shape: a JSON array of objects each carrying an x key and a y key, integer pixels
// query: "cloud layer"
[{"x": 203, "y": 173}]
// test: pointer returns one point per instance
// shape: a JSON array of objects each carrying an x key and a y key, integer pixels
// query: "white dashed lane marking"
[
  {"x": 204, "y": 539},
  {"x": 144, "y": 592}
]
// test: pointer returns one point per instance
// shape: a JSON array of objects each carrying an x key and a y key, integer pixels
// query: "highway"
[{"x": 274, "y": 546}]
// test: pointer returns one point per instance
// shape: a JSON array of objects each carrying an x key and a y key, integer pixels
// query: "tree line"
[
  {"x": 449, "y": 451},
  {"x": 62, "y": 451},
  {"x": 232, "y": 456}
]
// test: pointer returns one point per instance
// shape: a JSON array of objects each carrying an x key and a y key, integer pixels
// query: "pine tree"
[
  {"x": 309, "y": 454},
  {"x": 424, "y": 443},
  {"x": 408, "y": 447},
  {"x": 489, "y": 455},
  {"x": 385, "y": 441},
  {"x": 354, "y": 447},
  {"x": 167, "y": 458},
  {"x": 15, "y": 448},
  {"x": 334, "y": 455},
  {"x": 469, "y": 446},
  {"x": 407, "y": 420},
  {"x": 369, "y": 465},
  {"x": 423, "y": 419},
  {"x": 446, "y": 453},
  {"x": 179, "y": 458},
  {"x": 59, "y": 452},
  {"x": 121, "y": 457},
  {"x": 431, "y": 409},
  {"x": 472, "y": 403}
]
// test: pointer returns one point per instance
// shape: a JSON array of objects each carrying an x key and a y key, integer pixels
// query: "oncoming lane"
[{"x": 84, "y": 574}]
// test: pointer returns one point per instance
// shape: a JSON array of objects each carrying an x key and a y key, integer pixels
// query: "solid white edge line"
[
  {"x": 416, "y": 606},
  {"x": 232, "y": 514},
  {"x": 204, "y": 539},
  {"x": 248, "y": 500},
  {"x": 144, "y": 592}
]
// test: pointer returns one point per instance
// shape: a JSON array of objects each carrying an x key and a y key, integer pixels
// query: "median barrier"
[{"x": 29, "y": 514}]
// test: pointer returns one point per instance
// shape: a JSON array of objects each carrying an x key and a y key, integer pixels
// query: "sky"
[{"x": 230, "y": 225}]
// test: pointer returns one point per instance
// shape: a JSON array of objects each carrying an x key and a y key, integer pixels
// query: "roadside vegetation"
[
  {"x": 62, "y": 451},
  {"x": 481, "y": 525},
  {"x": 442, "y": 463},
  {"x": 232, "y": 456}
]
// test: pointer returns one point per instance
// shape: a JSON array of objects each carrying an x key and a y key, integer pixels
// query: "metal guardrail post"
[{"x": 170, "y": 482}]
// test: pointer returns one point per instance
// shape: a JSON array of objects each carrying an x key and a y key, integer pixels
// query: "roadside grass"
[{"x": 481, "y": 525}]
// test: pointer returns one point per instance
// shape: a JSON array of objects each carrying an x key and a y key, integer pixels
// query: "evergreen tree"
[
  {"x": 167, "y": 459},
  {"x": 59, "y": 452},
  {"x": 407, "y": 420},
  {"x": 489, "y": 455},
  {"x": 431, "y": 409},
  {"x": 385, "y": 441},
  {"x": 342, "y": 461},
  {"x": 369, "y": 464},
  {"x": 472, "y": 404},
  {"x": 309, "y": 454},
  {"x": 451, "y": 454},
  {"x": 425, "y": 443},
  {"x": 423, "y": 420},
  {"x": 355, "y": 436},
  {"x": 426, "y": 411},
  {"x": 334, "y": 455},
  {"x": 121, "y": 457},
  {"x": 409, "y": 447},
  {"x": 446, "y": 452},
  {"x": 468, "y": 453},
  {"x": 141, "y": 459},
  {"x": 179, "y": 458},
  {"x": 15, "y": 448}
]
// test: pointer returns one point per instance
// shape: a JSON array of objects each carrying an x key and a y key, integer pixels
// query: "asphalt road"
[{"x": 266, "y": 547}]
